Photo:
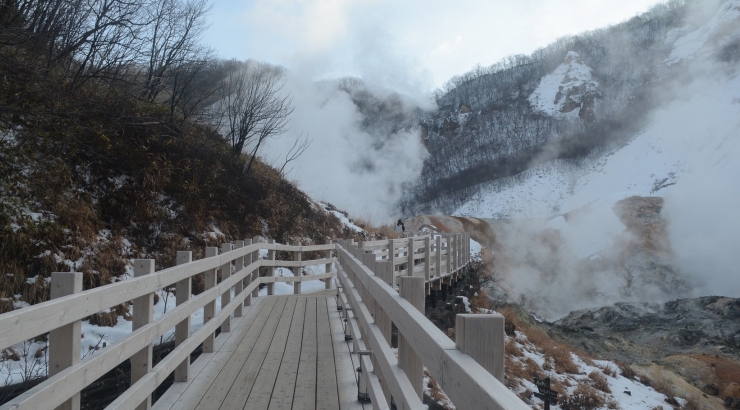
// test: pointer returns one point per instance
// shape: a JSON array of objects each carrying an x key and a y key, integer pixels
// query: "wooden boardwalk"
[{"x": 288, "y": 352}]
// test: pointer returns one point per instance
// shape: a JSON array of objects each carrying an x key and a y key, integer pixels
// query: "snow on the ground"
[
  {"x": 475, "y": 249},
  {"x": 703, "y": 40},
  {"x": 627, "y": 393},
  {"x": 674, "y": 145},
  {"x": 286, "y": 288},
  {"x": 342, "y": 218},
  {"x": 550, "y": 95}
]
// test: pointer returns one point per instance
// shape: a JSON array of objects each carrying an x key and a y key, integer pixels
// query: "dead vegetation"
[{"x": 94, "y": 176}]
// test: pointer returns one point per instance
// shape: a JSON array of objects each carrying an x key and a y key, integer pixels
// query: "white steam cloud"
[
  {"x": 345, "y": 165},
  {"x": 703, "y": 209}
]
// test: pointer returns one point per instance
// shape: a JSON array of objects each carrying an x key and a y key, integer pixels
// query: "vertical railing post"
[
  {"x": 297, "y": 270},
  {"x": 226, "y": 296},
  {"x": 453, "y": 252},
  {"x": 448, "y": 253},
  {"x": 271, "y": 269},
  {"x": 141, "y": 361},
  {"x": 411, "y": 257},
  {"x": 209, "y": 310},
  {"x": 392, "y": 258},
  {"x": 481, "y": 336},
  {"x": 183, "y": 291},
  {"x": 64, "y": 341},
  {"x": 239, "y": 286},
  {"x": 427, "y": 259},
  {"x": 412, "y": 289},
  {"x": 384, "y": 271},
  {"x": 256, "y": 272},
  {"x": 467, "y": 252},
  {"x": 460, "y": 248},
  {"x": 248, "y": 277},
  {"x": 327, "y": 283},
  {"x": 438, "y": 257}
]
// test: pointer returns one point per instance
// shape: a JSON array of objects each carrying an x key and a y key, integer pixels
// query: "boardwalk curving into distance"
[
  {"x": 296, "y": 351},
  {"x": 288, "y": 352}
]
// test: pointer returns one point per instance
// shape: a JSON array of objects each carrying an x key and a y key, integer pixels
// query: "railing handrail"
[
  {"x": 468, "y": 384},
  {"x": 23, "y": 324},
  {"x": 19, "y": 325}
]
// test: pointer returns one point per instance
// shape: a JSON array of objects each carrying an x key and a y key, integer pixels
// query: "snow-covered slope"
[
  {"x": 567, "y": 92},
  {"x": 721, "y": 29},
  {"x": 688, "y": 155}
]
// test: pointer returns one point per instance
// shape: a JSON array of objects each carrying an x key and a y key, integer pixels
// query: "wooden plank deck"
[{"x": 286, "y": 353}]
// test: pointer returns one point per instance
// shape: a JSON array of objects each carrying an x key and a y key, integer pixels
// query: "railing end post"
[{"x": 481, "y": 336}]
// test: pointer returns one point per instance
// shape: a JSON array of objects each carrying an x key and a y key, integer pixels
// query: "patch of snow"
[
  {"x": 572, "y": 75},
  {"x": 475, "y": 250}
]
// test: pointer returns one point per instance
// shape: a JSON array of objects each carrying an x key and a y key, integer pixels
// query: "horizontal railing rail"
[
  {"x": 238, "y": 264},
  {"x": 436, "y": 257},
  {"x": 470, "y": 370}
]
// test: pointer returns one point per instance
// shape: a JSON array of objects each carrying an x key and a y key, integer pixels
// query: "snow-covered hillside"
[
  {"x": 687, "y": 155},
  {"x": 567, "y": 92}
]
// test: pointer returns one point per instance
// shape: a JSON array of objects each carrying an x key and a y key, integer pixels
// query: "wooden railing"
[
  {"x": 438, "y": 258},
  {"x": 61, "y": 317},
  {"x": 470, "y": 370}
]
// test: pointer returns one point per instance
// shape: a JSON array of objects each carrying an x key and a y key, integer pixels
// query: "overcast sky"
[{"x": 407, "y": 45}]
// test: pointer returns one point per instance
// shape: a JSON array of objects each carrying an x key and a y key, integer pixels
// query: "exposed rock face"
[
  {"x": 570, "y": 89},
  {"x": 708, "y": 324}
]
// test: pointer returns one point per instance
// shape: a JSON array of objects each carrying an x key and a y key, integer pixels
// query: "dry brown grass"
[
  {"x": 480, "y": 301},
  {"x": 435, "y": 392},
  {"x": 558, "y": 352},
  {"x": 512, "y": 349},
  {"x": 599, "y": 381},
  {"x": 584, "y": 397},
  {"x": 625, "y": 370}
]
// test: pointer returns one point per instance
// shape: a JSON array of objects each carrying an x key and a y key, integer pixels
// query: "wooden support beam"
[
  {"x": 239, "y": 287},
  {"x": 183, "y": 291},
  {"x": 64, "y": 341},
  {"x": 141, "y": 361},
  {"x": 411, "y": 289},
  {"x": 481, "y": 336},
  {"x": 209, "y": 310}
]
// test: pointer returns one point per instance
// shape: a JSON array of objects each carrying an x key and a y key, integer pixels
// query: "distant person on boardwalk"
[{"x": 400, "y": 227}]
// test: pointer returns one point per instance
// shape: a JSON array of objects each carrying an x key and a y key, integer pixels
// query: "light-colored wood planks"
[
  {"x": 305, "y": 387},
  {"x": 235, "y": 382},
  {"x": 282, "y": 393},
  {"x": 264, "y": 382},
  {"x": 326, "y": 388},
  {"x": 219, "y": 387}
]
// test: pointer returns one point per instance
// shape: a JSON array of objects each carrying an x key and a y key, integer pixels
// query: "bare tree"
[
  {"x": 300, "y": 145},
  {"x": 252, "y": 107},
  {"x": 172, "y": 38},
  {"x": 194, "y": 86}
]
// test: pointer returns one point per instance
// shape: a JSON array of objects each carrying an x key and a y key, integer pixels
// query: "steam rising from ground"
[
  {"x": 356, "y": 169},
  {"x": 590, "y": 259},
  {"x": 703, "y": 209},
  {"x": 691, "y": 247}
]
